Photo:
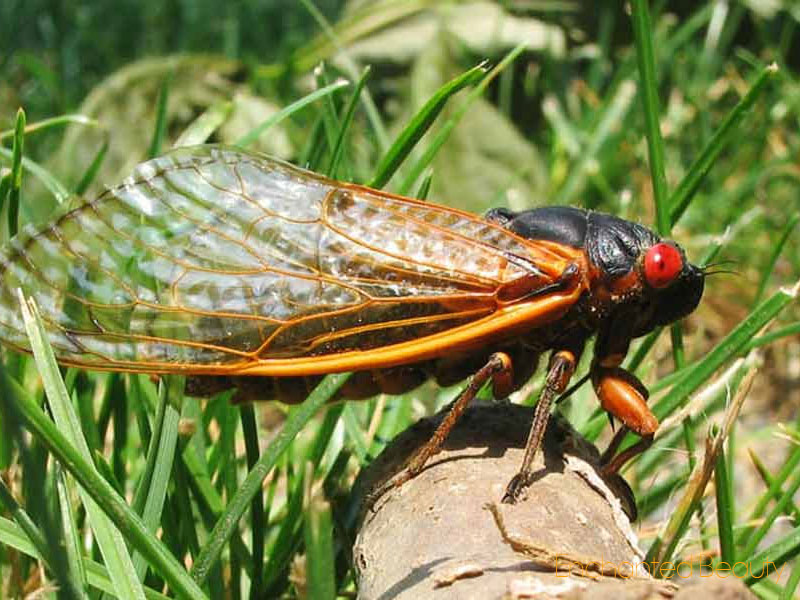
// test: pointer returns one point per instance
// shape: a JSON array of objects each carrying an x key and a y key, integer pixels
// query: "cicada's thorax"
[{"x": 612, "y": 250}]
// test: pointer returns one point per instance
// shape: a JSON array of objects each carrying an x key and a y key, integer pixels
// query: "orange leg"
[
  {"x": 625, "y": 397},
  {"x": 562, "y": 366},
  {"x": 613, "y": 462},
  {"x": 499, "y": 370}
]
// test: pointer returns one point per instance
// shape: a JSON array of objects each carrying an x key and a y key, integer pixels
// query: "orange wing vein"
[{"x": 215, "y": 260}]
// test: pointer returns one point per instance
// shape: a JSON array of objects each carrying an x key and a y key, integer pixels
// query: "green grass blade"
[
  {"x": 330, "y": 115},
  {"x": 653, "y": 498},
  {"x": 338, "y": 147},
  {"x": 725, "y": 508},
  {"x": 198, "y": 471},
  {"x": 28, "y": 533},
  {"x": 771, "y": 559},
  {"x": 444, "y": 133},
  {"x": 675, "y": 527},
  {"x": 565, "y": 131},
  {"x": 351, "y": 70},
  {"x": 678, "y": 353},
  {"x": 109, "y": 539},
  {"x": 791, "y": 584},
  {"x": 645, "y": 55},
  {"x": 222, "y": 461},
  {"x": 355, "y": 434},
  {"x": 16, "y": 174},
  {"x": 318, "y": 535},
  {"x": 792, "y": 509},
  {"x": 119, "y": 440},
  {"x": 160, "y": 129},
  {"x": 287, "y": 539},
  {"x": 425, "y": 186},
  {"x": 684, "y": 382},
  {"x": 687, "y": 188},
  {"x": 164, "y": 445},
  {"x": 644, "y": 349},
  {"x": 731, "y": 346},
  {"x": 77, "y": 462},
  {"x": 229, "y": 521},
  {"x": 5, "y": 186},
  {"x": 204, "y": 126},
  {"x": 91, "y": 171},
  {"x": 776, "y": 252},
  {"x": 310, "y": 153},
  {"x": 780, "y": 508},
  {"x": 287, "y": 111},
  {"x": 772, "y": 336},
  {"x": 150, "y": 436},
  {"x": 610, "y": 116},
  {"x": 353, "y": 25},
  {"x": 774, "y": 491},
  {"x": 58, "y": 190},
  {"x": 316, "y": 450},
  {"x": 52, "y": 122},
  {"x": 421, "y": 123},
  {"x": 228, "y": 477},
  {"x": 105, "y": 469},
  {"x": 77, "y": 570}
]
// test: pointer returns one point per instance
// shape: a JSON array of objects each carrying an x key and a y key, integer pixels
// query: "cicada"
[{"x": 242, "y": 271}]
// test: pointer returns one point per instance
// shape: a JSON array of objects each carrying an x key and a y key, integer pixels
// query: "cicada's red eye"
[{"x": 662, "y": 265}]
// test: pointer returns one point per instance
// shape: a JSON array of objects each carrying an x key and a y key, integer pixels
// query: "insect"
[{"x": 243, "y": 271}]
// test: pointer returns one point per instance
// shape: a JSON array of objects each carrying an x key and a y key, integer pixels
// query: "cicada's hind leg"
[
  {"x": 562, "y": 366},
  {"x": 499, "y": 370}
]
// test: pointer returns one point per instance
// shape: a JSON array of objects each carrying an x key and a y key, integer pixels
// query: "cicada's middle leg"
[
  {"x": 499, "y": 370},
  {"x": 562, "y": 366}
]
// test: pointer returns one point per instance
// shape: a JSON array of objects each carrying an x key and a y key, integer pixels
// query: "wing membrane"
[{"x": 210, "y": 259}]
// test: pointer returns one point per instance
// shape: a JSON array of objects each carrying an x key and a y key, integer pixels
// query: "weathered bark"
[{"x": 445, "y": 535}]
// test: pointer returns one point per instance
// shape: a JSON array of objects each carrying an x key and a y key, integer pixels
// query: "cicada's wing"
[{"x": 211, "y": 260}]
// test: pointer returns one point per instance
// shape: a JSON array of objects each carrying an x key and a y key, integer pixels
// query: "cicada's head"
[
  {"x": 675, "y": 284},
  {"x": 650, "y": 277}
]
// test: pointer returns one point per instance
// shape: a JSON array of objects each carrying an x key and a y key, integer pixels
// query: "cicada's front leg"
[{"x": 623, "y": 396}]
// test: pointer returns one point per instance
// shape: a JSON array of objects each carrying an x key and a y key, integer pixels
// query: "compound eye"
[{"x": 662, "y": 265}]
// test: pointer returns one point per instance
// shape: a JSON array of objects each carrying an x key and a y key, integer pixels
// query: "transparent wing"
[{"x": 211, "y": 259}]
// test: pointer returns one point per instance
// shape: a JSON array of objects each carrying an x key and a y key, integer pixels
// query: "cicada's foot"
[
  {"x": 371, "y": 499},
  {"x": 515, "y": 487}
]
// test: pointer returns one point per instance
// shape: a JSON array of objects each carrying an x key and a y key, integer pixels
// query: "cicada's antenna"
[{"x": 711, "y": 268}]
